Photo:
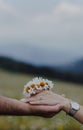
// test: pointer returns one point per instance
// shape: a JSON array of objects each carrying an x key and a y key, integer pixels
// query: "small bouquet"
[{"x": 37, "y": 85}]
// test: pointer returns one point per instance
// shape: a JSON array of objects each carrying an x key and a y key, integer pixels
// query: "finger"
[
  {"x": 41, "y": 102},
  {"x": 25, "y": 100},
  {"x": 53, "y": 109},
  {"x": 34, "y": 98},
  {"x": 57, "y": 108},
  {"x": 50, "y": 109},
  {"x": 37, "y": 102},
  {"x": 31, "y": 99},
  {"x": 63, "y": 95}
]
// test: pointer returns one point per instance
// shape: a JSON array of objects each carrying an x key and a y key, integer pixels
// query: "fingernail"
[
  {"x": 31, "y": 102},
  {"x": 22, "y": 100}
]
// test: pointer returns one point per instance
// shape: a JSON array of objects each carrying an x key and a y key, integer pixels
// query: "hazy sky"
[{"x": 47, "y": 23}]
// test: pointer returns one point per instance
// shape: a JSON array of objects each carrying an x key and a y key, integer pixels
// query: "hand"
[
  {"x": 44, "y": 110},
  {"x": 9, "y": 106},
  {"x": 40, "y": 110},
  {"x": 45, "y": 98},
  {"x": 51, "y": 99}
]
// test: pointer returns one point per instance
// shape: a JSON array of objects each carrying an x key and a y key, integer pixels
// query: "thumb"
[{"x": 25, "y": 100}]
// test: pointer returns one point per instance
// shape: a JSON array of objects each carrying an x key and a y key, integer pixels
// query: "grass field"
[{"x": 11, "y": 85}]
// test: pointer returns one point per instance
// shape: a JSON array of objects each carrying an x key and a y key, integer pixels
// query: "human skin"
[
  {"x": 9, "y": 106},
  {"x": 61, "y": 102}
]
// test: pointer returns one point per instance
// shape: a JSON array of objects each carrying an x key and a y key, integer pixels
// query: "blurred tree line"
[{"x": 22, "y": 67}]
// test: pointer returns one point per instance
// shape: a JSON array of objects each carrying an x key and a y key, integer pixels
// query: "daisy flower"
[{"x": 37, "y": 85}]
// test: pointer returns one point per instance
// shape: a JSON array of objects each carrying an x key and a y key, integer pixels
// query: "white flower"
[
  {"x": 26, "y": 94},
  {"x": 50, "y": 84},
  {"x": 46, "y": 87},
  {"x": 38, "y": 88},
  {"x": 37, "y": 84},
  {"x": 37, "y": 80}
]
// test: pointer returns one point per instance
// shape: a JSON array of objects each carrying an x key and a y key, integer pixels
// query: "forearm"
[
  {"x": 79, "y": 114},
  {"x": 13, "y": 107}
]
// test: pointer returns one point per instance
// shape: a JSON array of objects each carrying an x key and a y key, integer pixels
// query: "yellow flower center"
[
  {"x": 38, "y": 85},
  {"x": 33, "y": 86},
  {"x": 42, "y": 84},
  {"x": 27, "y": 89}
]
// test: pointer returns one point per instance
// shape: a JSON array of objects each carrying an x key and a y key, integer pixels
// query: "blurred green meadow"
[{"x": 11, "y": 85}]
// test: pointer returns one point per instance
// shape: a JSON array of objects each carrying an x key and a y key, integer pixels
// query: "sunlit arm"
[
  {"x": 79, "y": 114},
  {"x": 13, "y": 107},
  {"x": 58, "y": 101}
]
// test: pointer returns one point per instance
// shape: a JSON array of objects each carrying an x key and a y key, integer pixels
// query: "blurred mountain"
[
  {"x": 42, "y": 61},
  {"x": 74, "y": 67},
  {"x": 37, "y": 55},
  {"x": 78, "y": 66},
  {"x": 72, "y": 73}
]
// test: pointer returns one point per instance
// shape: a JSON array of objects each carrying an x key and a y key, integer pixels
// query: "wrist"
[
  {"x": 70, "y": 107},
  {"x": 25, "y": 109},
  {"x": 66, "y": 105}
]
